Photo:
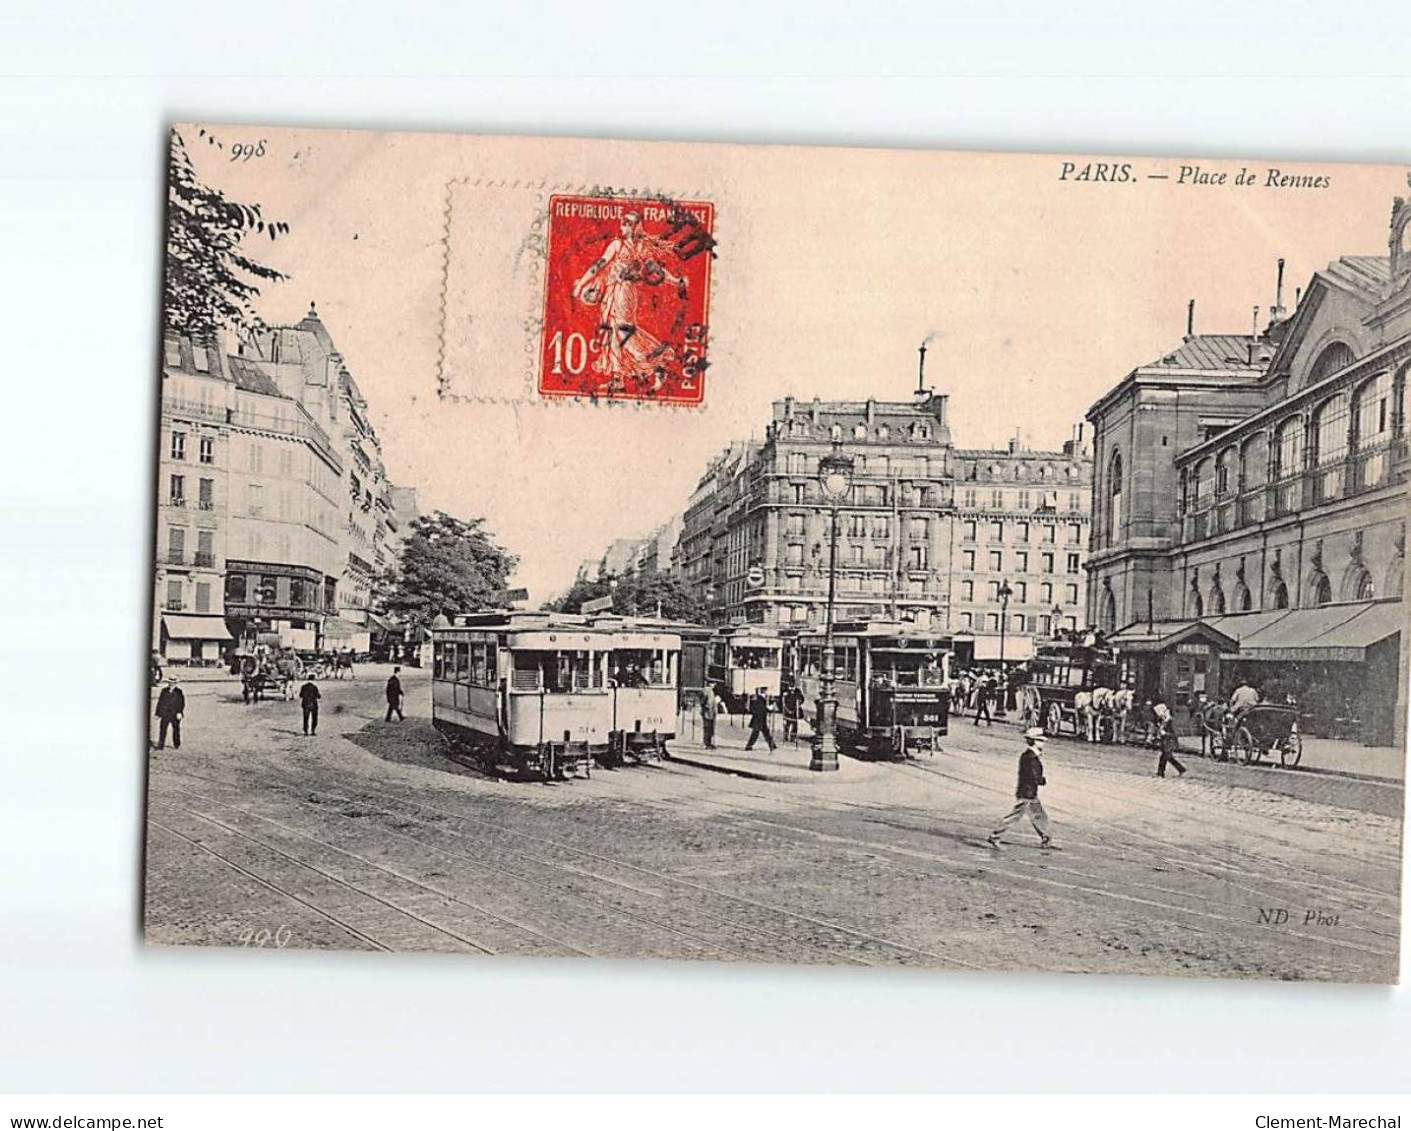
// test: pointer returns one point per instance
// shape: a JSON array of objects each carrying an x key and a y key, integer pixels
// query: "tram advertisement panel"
[{"x": 908, "y": 707}]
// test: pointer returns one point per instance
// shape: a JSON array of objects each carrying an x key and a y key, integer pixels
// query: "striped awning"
[{"x": 1330, "y": 633}]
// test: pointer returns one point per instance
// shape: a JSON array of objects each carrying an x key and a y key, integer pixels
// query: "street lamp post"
[
  {"x": 1005, "y": 593},
  {"x": 835, "y": 475}
]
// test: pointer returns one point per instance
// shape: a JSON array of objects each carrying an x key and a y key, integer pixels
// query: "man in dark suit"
[
  {"x": 1026, "y": 794},
  {"x": 308, "y": 700},
  {"x": 171, "y": 706},
  {"x": 759, "y": 720},
  {"x": 394, "y": 696}
]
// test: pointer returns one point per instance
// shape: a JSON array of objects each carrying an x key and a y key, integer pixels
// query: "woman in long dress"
[{"x": 627, "y": 353}]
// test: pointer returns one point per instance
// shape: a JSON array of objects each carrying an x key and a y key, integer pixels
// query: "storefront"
[
  {"x": 1337, "y": 662},
  {"x": 1173, "y": 662},
  {"x": 199, "y": 640}
]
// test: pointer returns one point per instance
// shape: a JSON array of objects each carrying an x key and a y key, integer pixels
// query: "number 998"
[{"x": 243, "y": 151}]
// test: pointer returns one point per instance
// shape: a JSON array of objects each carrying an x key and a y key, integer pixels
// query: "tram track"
[
  {"x": 776, "y": 946},
  {"x": 1092, "y": 886}
]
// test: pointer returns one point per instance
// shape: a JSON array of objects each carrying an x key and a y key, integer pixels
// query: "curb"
[{"x": 716, "y": 768}]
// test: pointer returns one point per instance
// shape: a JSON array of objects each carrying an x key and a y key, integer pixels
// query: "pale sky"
[{"x": 833, "y": 265}]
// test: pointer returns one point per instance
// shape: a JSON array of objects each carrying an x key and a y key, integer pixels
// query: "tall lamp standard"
[
  {"x": 1005, "y": 593},
  {"x": 835, "y": 476}
]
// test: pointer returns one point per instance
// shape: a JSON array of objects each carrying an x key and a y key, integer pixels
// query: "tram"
[
  {"x": 644, "y": 672},
  {"x": 745, "y": 659},
  {"x": 892, "y": 681},
  {"x": 524, "y": 690}
]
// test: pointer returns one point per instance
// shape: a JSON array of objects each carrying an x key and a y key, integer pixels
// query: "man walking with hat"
[{"x": 1026, "y": 796}]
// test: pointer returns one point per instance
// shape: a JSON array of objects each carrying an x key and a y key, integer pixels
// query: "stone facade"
[
  {"x": 1250, "y": 474},
  {"x": 929, "y": 533}
]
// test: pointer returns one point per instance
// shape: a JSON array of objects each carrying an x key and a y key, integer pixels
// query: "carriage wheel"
[
  {"x": 1053, "y": 720},
  {"x": 1032, "y": 707},
  {"x": 1218, "y": 750},
  {"x": 1245, "y": 746},
  {"x": 1291, "y": 750}
]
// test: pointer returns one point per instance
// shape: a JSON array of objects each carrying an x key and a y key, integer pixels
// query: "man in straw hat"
[{"x": 1026, "y": 796}]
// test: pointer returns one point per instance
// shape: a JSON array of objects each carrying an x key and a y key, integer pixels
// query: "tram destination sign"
[{"x": 597, "y": 605}]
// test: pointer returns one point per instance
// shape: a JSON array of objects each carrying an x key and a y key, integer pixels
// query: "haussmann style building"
[{"x": 930, "y": 533}]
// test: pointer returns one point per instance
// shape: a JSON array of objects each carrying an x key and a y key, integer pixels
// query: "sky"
[{"x": 1036, "y": 292}]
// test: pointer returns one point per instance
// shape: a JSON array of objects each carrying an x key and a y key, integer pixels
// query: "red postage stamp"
[{"x": 627, "y": 299}]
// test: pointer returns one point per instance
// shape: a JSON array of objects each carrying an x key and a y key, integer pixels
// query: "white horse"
[
  {"x": 1122, "y": 702},
  {"x": 1085, "y": 715}
]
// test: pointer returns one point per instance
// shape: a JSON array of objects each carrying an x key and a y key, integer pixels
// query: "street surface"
[{"x": 370, "y": 836}]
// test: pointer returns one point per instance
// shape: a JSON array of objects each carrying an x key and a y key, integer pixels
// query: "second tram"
[
  {"x": 743, "y": 660},
  {"x": 892, "y": 683},
  {"x": 643, "y": 674}
]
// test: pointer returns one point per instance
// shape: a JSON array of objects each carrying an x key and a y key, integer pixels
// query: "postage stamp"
[{"x": 627, "y": 299}]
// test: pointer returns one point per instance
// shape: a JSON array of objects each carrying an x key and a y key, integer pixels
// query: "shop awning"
[
  {"x": 1163, "y": 635},
  {"x": 1016, "y": 648},
  {"x": 1330, "y": 633},
  {"x": 381, "y": 624},
  {"x": 196, "y": 627},
  {"x": 336, "y": 628}
]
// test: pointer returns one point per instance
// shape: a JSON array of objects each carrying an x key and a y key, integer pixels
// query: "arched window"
[
  {"x": 1197, "y": 605},
  {"x": 1371, "y": 429},
  {"x": 1365, "y": 588},
  {"x": 1320, "y": 590},
  {"x": 1244, "y": 600},
  {"x": 1217, "y": 601},
  {"x": 1330, "y": 425},
  {"x": 1224, "y": 481},
  {"x": 1114, "y": 498},
  {"x": 1107, "y": 620},
  {"x": 1335, "y": 356},
  {"x": 1281, "y": 596},
  {"x": 1392, "y": 588},
  {"x": 1288, "y": 465}
]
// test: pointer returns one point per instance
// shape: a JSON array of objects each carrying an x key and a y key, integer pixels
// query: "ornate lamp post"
[
  {"x": 835, "y": 475},
  {"x": 1005, "y": 593}
]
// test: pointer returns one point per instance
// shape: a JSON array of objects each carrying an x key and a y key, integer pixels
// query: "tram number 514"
[{"x": 571, "y": 353}]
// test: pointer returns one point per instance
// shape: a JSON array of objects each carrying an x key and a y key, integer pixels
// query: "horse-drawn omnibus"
[
  {"x": 1075, "y": 685},
  {"x": 525, "y": 690},
  {"x": 745, "y": 659},
  {"x": 892, "y": 681}
]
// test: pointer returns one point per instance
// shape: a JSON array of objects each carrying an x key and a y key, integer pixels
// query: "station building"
[{"x": 1250, "y": 517}]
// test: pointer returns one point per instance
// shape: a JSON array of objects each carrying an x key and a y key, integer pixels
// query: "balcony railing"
[
  {"x": 194, "y": 410},
  {"x": 176, "y": 501},
  {"x": 207, "y": 504},
  {"x": 204, "y": 558},
  {"x": 174, "y": 606},
  {"x": 176, "y": 557}
]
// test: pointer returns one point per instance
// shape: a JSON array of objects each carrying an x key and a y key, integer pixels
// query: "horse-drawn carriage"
[
  {"x": 1248, "y": 735},
  {"x": 267, "y": 672},
  {"x": 1077, "y": 686}
]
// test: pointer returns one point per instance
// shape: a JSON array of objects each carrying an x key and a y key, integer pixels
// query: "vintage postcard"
[{"x": 587, "y": 548}]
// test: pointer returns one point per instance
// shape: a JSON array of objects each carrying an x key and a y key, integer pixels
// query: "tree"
[
  {"x": 210, "y": 282},
  {"x": 448, "y": 566},
  {"x": 636, "y": 594}
]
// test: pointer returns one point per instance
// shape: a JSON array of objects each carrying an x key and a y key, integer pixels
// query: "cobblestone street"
[{"x": 371, "y": 836}]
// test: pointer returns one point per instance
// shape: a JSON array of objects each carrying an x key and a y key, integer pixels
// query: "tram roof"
[
  {"x": 540, "y": 628},
  {"x": 887, "y": 629}
]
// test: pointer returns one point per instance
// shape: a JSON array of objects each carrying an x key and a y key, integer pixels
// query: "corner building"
[{"x": 929, "y": 534}]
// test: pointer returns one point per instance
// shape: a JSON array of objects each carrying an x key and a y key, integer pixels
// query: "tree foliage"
[
  {"x": 448, "y": 566},
  {"x": 210, "y": 281},
  {"x": 636, "y": 595}
]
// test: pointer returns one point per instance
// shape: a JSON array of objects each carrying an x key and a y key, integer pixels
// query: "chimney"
[
  {"x": 1254, "y": 334},
  {"x": 921, "y": 371},
  {"x": 1190, "y": 320},
  {"x": 1278, "y": 311},
  {"x": 813, "y": 412},
  {"x": 871, "y": 410},
  {"x": 788, "y": 408}
]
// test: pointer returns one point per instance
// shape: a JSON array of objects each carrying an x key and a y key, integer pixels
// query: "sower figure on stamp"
[
  {"x": 632, "y": 261},
  {"x": 1026, "y": 795},
  {"x": 759, "y": 720},
  {"x": 308, "y": 700},
  {"x": 394, "y": 696},
  {"x": 171, "y": 706}
]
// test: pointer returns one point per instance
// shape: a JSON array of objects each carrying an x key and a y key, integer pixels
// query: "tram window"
[
  {"x": 438, "y": 660},
  {"x": 477, "y": 664},
  {"x": 756, "y": 657},
  {"x": 638, "y": 667},
  {"x": 462, "y": 661},
  {"x": 492, "y": 666}
]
